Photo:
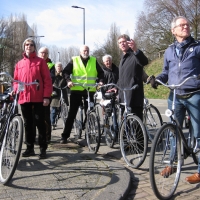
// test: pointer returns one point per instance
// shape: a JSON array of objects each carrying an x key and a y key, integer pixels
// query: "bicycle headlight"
[{"x": 168, "y": 113}]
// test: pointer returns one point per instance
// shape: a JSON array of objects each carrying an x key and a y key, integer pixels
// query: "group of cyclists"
[{"x": 181, "y": 60}]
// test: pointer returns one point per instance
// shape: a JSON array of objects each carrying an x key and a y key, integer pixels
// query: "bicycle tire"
[
  {"x": 11, "y": 149},
  {"x": 93, "y": 135},
  {"x": 161, "y": 156},
  {"x": 152, "y": 121},
  {"x": 64, "y": 113},
  {"x": 133, "y": 141},
  {"x": 77, "y": 129},
  {"x": 107, "y": 132}
]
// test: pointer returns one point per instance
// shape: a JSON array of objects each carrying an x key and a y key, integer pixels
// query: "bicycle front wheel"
[
  {"x": 11, "y": 149},
  {"x": 133, "y": 141},
  {"x": 93, "y": 136},
  {"x": 64, "y": 113},
  {"x": 152, "y": 120},
  {"x": 165, "y": 162}
]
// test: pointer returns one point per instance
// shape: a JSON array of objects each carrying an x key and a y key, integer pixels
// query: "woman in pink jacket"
[{"x": 29, "y": 69}]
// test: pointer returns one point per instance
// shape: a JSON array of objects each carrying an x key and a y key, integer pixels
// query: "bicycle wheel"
[
  {"x": 77, "y": 129},
  {"x": 152, "y": 120},
  {"x": 93, "y": 132},
  {"x": 109, "y": 133},
  {"x": 133, "y": 141},
  {"x": 165, "y": 162},
  {"x": 64, "y": 113},
  {"x": 11, "y": 149}
]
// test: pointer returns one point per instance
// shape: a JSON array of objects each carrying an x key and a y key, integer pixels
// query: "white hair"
[
  {"x": 59, "y": 63},
  {"x": 44, "y": 48},
  {"x": 106, "y": 56},
  {"x": 173, "y": 23}
]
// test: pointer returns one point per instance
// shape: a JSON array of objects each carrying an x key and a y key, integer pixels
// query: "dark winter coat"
[
  {"x": 110, "y": 75},
  {"x": 59, "y": 82},
  {"x": 130, "y": 73}
]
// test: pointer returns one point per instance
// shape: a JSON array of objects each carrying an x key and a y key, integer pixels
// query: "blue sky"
[{"x": 62, "y": 25}]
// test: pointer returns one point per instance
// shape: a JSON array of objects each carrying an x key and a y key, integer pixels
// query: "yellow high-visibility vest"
[{"x": 84, "y": 75}]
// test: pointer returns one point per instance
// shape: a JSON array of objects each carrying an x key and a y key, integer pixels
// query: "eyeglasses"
[
  {"x": 29, "y": 45},
  {"x": 43, "y": 52},
  {"x": 182, "y": 25}
]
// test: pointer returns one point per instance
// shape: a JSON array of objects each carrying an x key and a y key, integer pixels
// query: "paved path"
[{"x": 71, "y": 172}]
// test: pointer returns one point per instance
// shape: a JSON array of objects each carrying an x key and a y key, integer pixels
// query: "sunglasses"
[{"x": 29, "y": 45}]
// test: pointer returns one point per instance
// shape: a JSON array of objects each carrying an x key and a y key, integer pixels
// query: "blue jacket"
[{"x": 175, "y": 70}]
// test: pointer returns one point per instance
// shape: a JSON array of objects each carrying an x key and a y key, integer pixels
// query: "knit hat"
[{"x": 29, "y": 40}]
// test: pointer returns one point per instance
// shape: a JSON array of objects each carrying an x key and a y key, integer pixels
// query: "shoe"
[
  {"x": 53, "y": 127},
  {"x": 63, "y": 141},
  {"x": 168, "y": 171},
  {"x": 42, "y": 154},
  {"x": 195, "y": 178},
  {"x": 28, "y": 152}
]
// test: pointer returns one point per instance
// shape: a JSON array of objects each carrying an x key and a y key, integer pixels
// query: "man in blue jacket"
[{"x": 181, "y": 60}]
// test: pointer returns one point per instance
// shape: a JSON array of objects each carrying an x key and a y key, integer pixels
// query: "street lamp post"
[
  {"x": 58, "y": 56},
  {"x": 83, "y": 21}
]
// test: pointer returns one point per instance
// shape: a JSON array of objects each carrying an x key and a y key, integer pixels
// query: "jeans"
[
  {"x": 192, "y": 105},
  {"x": 54, "y": 111}
]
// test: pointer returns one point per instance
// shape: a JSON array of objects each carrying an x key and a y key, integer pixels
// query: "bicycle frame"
[{"x": 171, "y": 113}]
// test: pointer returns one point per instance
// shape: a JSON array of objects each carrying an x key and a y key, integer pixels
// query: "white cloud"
[{"x": 62, "y": 25}]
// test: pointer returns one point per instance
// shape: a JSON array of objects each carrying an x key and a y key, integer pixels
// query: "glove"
[{"x": 153, "y": 82}]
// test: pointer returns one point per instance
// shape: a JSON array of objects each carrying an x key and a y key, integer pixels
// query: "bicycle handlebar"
[
  {"x": 60, "y": 87},
  {"x": 125, "y": 89},
  {"x": 178, "y": 85},
  {"x": 85, "y": 86},
  {"x": 17, "y": 81}
]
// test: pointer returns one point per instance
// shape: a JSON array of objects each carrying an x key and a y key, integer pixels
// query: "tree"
[
  {"x": 110, "y": 46},
  {"x": 153, "y": 28}
]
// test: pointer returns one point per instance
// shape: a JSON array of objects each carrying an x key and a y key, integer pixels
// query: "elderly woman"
[
  {"x": 55, "y": 103},
  {"x": 33, "y": 100}
]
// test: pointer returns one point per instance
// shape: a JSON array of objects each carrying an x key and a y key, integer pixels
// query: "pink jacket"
[{"x": 28, "y": 70}]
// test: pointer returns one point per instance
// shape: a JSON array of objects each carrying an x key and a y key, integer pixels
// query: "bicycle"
[
  {"x": 92, "y": 132},
  {"x": 152, "y": 119},
  {"x": 63, "y": 110},
  {"x": 133, "y": 136},
  {"x": 167, "y": 151},
  {"x": 11, "y": 131},
  {"x": 111, "y": 119}
]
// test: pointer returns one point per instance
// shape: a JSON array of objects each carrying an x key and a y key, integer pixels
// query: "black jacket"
[
  {"x": 110, "y": 75},
  {"x": 130, "y": 73}
]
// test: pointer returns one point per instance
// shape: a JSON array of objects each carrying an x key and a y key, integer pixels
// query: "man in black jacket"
[
  {"x": 111, "y": 71},
  {"x": 131, "y": 73}
]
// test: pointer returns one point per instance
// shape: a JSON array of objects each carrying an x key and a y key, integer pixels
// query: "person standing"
[
  {"x": 55, "y": 103},
  {"x": 44, "y": 53},
  {"x": 111, "y": 71},
  {"x": 29, "y": 69},
  {"x": 131, "y": 73},
  {"x": 84, "y": 69},
  {"x": 182, "y": 60}
]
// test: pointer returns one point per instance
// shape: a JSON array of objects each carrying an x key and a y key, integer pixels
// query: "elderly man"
[
  {"x": 44, "y": 53},
  {"x": 81, "y": 68},
  {"x": 181, "y": 60}
]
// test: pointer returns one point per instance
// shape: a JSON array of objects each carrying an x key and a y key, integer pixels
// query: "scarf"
[{"x": 180, "y": 47}]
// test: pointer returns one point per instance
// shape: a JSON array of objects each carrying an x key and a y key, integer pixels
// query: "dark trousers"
[
  {"x": 75, "y": 102},
  {"x": 39, "y": 118}
]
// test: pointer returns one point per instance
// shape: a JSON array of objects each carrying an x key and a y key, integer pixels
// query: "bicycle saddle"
[{"x": 110, "y": 95}]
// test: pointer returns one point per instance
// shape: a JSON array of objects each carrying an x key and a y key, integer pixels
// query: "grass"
[{"x": 155, "y": 68}]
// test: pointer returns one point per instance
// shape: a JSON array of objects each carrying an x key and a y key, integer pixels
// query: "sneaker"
[
  {"x": 63, "y": 141},
  {"x": 28, "y": 152},
  {"x": 53, "y": 127},
  {"x": 42, "y": 154}
]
